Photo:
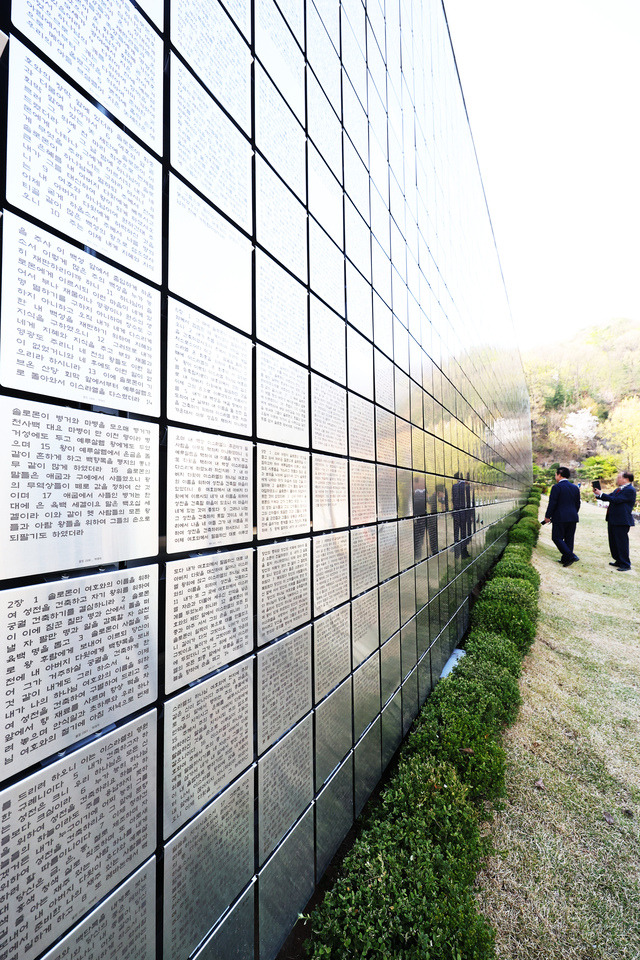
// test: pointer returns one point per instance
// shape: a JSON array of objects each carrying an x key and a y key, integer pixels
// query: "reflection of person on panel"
[
  {"x": 461, "y": 498},
  {"x": 419, "y": 514}
]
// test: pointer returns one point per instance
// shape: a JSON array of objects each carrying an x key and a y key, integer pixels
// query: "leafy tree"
[
  {"x": 596, "y": 369},
  {"x": 558, "y": 398},
  {"x": 581, "y": 427},
  {"x": 544, "y": 475},
  {"x": 562, "y": 446},
  {"x": 622, "y": 430},
  {"x": 599, "y": 468}
]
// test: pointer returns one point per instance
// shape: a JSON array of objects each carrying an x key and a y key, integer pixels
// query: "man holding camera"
[{"x": 619, "y": 518}]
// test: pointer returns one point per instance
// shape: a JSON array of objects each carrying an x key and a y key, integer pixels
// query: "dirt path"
[{"x": 565, "y": 883}]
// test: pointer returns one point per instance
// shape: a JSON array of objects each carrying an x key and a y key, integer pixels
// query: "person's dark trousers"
[
  {"x": 563, "y": 535},
  {"x": 619, "y": 544},
  {"x": 570, "y": 535}
]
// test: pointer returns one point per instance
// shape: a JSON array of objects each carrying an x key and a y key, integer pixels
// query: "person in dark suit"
[
  {"x": 562, "y": 514},
  {"x": 620, "y": 518}
]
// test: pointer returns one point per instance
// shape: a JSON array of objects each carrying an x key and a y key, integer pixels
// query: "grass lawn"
[{"x": 565, "y": 882}]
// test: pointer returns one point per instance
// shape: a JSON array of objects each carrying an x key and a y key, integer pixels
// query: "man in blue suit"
[
  {"x": 620, "y": 518},
  {"x": 562, "y": 513}
]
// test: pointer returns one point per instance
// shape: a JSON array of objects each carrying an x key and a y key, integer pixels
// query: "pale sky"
[{"x": 552, "y": 91}]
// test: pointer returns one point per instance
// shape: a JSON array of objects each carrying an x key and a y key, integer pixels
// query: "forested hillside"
[{"x": 585, "y": 397}]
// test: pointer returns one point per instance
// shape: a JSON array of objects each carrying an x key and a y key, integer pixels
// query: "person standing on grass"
[
  {"x": 562, "y": 514},
  {"x": 619, "y": 518}
]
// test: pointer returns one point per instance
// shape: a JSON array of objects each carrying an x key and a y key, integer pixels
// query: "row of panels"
[
  {"x": 108, "y": 353},
  {"x": 198, "y": 237},
  {"x": 286, "y": 94},
  {"x": 319, "y": 765},
  {"x": 83, "y": 653},
  {"x": 266, "y": 428},
  {"x": 80, "y": 489}
]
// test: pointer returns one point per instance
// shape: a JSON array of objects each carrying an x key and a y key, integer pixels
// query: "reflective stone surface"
[
  {"x": 332, "y": 650},
  {"x": 284, "y": 588},
  {"x": 209, "y": 490},
  {"x": 366, "y": 694},
  {"x": 123, "y": 925},
  {"x": 367, "y": 765},
  {"x": 209, "y": 615},
  {"x": 206, "y": 864},
  {"x": 53, "y": 510},
  {"x": 334, "y": 815},
  {"x": 333, "y": 731},
  {"x": 122, "y": 369},
  {"x": 330, "y": 571},
  {"x": 233, "y": 937},
  {"x": 209, "y": 378},
  {"x": 365, "y": 626},
  {"x": 285, "y": 884},
  {"x": 201, "y": 241},
  {"x": 391, "y": 728},
  {"x": 283, "y": 492},
  {"x": 330, "y": 492},
  {"x": 285, "y": 785},
  {"x": 284, "y": 685},
  {"x": 197, "y": 766},
  {"x": 239, "y": 370},
  {"x": 101, "y": 627},
  {"x": 127, "y": 227},
  {"x": 109, "y": 785}
]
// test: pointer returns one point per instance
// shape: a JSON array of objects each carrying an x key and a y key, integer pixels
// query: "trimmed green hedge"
[
  {"x": 462, "y": 719},
  {"x": 405, "y": 889},
  {"x": 532, "y": 523},
  {"x": 517, "y": 551},
  {"x": 522, "y": 532},
  {"x": 508, "y": 606},
  {"x": 495, "y": 648},
  {"x": 515, "y": 567}
]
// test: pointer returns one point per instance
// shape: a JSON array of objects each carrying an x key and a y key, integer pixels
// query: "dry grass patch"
[{"x": 566, "y": 880}]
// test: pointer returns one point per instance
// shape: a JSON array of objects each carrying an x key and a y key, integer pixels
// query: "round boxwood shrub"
[
  {"x": 512, "y": 589},
  {"x": 405, "y": 887},
  {"x": 461, "y": 722},
  {"x": 480, "y": 680},
  {"x": 518, "y": 568},
  {"x": 523, "y": 534},
  {"x": 495, "y": 648},
  {"x": 468, "y": 741},
  {"x": 518, "y": 552},
  {"x": 507, "y": 605},
  {"x": 530, "y": 510},
  {"x": 531, "y": 522},
  {"x": 428, "y": 790}
]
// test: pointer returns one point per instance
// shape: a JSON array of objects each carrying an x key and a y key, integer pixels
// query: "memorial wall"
[{"x": 264, "y": 428}]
